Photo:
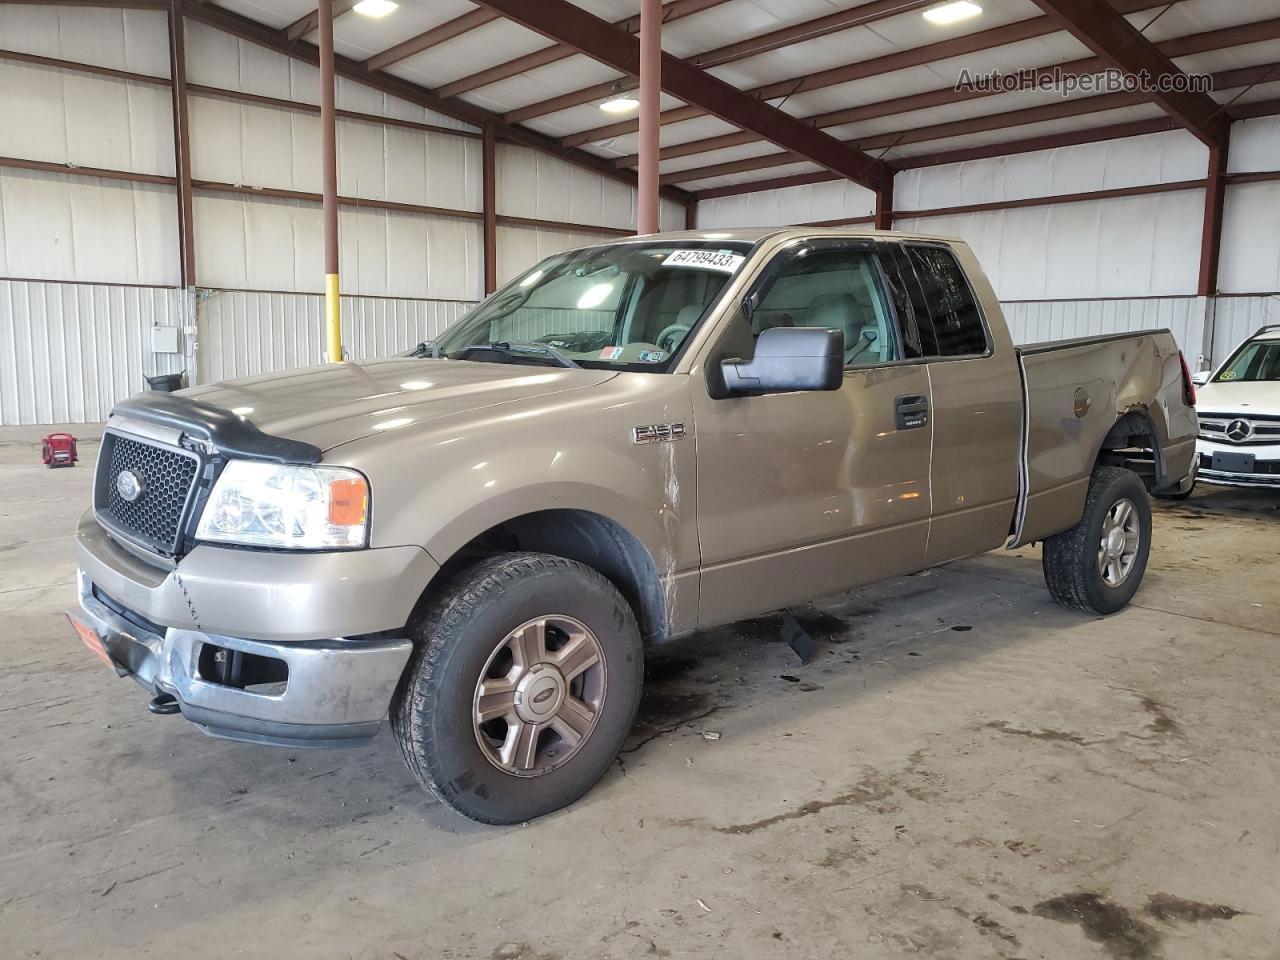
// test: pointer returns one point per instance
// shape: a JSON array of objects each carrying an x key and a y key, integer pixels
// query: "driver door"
[{"x": 810, "y": 493}]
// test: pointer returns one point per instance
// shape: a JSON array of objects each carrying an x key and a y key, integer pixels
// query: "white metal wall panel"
[
  {"x": 243, "y": 333},
  {"x": 84, "y": 120},
  {"x": 1135, "y": 161},
  {"x": 1255, "y": 145},
  {"x": 519, "y": 248},
  {"x": 68, "y": 352},
  {"x": 1041, "y": 320},
  {"x": 534, "y": 184},
  {"x": 834, "y": 200},
  {"x": 217, "y": 59},
  {"x": 1238, "y": 317},
  {"x": 133, "y": 40},
  {"x": 1127, "y": 247},
  {"x": 263, "y": 244},
  {"x": 55, "y": 226},
  {"x": 1250, "y": 260},
  {"x": 263, "y": 146}
]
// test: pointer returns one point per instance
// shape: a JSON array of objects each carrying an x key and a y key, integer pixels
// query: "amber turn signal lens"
[{"x": 348, "y": 502}]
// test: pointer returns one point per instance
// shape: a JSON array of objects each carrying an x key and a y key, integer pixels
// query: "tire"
[
  {"x": 1073, "y": 563},
  {"x": 477, "y": 627}
]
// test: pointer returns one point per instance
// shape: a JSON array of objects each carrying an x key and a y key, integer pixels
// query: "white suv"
[{"x": 1239, "y": 407}]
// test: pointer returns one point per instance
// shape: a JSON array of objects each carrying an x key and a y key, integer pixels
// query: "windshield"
[
  {"x": 1256, "y": 360},
  {"x": 625, "y": 306}
]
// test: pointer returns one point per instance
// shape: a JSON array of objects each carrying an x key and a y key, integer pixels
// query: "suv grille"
[{"x": 155, "y": 516}]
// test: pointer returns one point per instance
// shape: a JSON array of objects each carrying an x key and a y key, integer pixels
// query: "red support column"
[
  {"x": 489, "y": 193},
  {"x": 182, "y": 146},
  {"x": 1215, "y": 191},
  {"x": 329, "y": 184},
  {"x": 650, "y": 107},
  {"x": 884, "y": 206},
  {"x": 691, "y": 215}
]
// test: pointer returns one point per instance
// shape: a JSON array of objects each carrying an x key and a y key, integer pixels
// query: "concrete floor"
[{"x": 965, "y": 770}]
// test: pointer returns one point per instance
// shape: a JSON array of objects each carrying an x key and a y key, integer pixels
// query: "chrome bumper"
[{"x": 336, "y": 691}]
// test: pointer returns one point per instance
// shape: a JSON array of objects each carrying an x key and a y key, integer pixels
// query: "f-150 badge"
[{"x": 657, "y": 433}]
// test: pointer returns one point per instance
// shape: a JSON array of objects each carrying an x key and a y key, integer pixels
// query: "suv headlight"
[{"x": 283, "y": 505}]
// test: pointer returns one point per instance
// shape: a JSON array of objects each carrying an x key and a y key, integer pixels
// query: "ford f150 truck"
[{"x": 626, "y": 443}]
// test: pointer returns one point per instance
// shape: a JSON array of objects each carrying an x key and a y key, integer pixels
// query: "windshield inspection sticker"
[
  {"x": 705, "y": 260},
  {"x": 610, "y": 353},
  {"x": 651, "y": 356}
]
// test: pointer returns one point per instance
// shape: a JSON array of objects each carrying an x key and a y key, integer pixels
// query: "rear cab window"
[{"x": 938, "y": 309}]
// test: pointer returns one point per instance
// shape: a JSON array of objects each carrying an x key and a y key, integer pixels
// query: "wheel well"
[
  {"x": 1132, "y": 443},
  {"x": 589, "y": 538}
]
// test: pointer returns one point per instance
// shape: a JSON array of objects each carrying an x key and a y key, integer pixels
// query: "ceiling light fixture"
[
  {"x": 620, "y": 101},
  {"x": 375, "y": 8},
  {"x": 952, "y": 12}
]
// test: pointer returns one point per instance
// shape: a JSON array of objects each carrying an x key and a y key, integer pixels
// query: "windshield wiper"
[
  {"x": 515, "y": 347},
  {"x": 427, "y": 348}
]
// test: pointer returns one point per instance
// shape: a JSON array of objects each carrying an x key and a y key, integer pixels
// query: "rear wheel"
[
  {"x": 525, "y": 682},
  {"x": 1099, "y": 563}
]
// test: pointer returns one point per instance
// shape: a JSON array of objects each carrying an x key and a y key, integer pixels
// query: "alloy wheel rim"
[
  {"x": 539, "y": 695},
  {"x": 1119, "y": 543}
]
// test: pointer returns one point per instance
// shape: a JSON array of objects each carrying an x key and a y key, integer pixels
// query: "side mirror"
[
  {"x": 1201, "y": 377},
  {"x": 787, "y": 359}
]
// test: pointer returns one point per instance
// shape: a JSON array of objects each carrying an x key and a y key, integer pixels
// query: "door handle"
[{"x": 911, "y": 412}]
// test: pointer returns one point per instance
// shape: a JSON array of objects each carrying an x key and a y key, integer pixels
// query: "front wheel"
[
  {"x": 1099, "y": 563},
  {"x": 525, "y": 681}
]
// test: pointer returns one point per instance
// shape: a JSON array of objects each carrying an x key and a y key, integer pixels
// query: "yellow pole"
[
  {"x": 332, "y": 319},
  {"x": 329, "y": 176}
]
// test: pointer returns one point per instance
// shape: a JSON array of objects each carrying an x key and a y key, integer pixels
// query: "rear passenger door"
[{"x": 976, "y": 395}]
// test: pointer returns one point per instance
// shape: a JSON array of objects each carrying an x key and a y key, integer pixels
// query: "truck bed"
[{"x": 1075, "y": 393}]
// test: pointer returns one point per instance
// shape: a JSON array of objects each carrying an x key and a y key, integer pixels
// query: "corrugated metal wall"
[
  {"x": 70, "y": 351},
  {"x": 245, "y": 332}
]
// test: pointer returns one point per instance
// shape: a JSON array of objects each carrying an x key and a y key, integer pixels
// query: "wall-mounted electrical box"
[{"x": 164, "y": 340}]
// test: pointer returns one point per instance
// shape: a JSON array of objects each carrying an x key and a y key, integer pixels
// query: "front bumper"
[
  {"x": 1266, "y": 472},
  {"x": 332, "y": 692},
  {"x": 287, "y": 615}
]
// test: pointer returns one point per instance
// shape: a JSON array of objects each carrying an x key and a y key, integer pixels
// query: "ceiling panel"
[
  {"x": 1109, "y": 118},
  {"x": 361, "y": 37},
  {"x": 586, "y": 116},
  {"x": 734, "y": 179},
  {"x": 758, "y": 149},
  {"x": 494, "y": 42},
  {"x": 274, "y": 13},
  {"x": 1197, "y": 16}
]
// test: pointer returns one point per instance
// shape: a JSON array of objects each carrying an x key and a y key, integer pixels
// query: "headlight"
[{"x": 275, "y": 505}]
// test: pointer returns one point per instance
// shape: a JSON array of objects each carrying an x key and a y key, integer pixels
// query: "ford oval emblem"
[{"x": 128, "y": 485}]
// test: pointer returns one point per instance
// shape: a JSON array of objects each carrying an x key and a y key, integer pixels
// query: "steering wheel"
[{"x": 670, "y": 330}]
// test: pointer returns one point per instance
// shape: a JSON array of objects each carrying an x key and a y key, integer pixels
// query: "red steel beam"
[
  {"x": 774, "y": 40},
  {"x": 425, "y": 41},
  {"x": 1102, "y": 29},
  {"x": 672, "y": 11},
  {"x": 489, "y": 206},
  {"x": 899, "y": 60},
  {"x": 562, "y": 21},
  {"x": 32, "y": 58},
  {"x": 1221, "y": 39},
  {"x": 311, "y": 22},
  {"x": 264, "y": 36},
  {"x": 1215, "y": 196},
  {"x": 647, "y": 205},
  {"x": 182, "y": 146},
  {"x": 1063, "y": 109},
  {"x": 884, "y": 207}
]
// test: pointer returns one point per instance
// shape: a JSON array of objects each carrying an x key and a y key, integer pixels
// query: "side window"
[
  {"x": 908, "y": 300},
  {"x": 840, "y": 289},
  {"x": 957, "y": 322}
]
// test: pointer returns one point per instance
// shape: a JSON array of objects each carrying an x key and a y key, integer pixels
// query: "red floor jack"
[{"x": 59, "y": 450}]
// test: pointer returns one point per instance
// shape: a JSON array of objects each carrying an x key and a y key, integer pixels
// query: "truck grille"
[{"x": 164, "y": 478}]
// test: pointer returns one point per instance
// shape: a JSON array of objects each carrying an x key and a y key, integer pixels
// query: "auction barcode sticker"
[{"x": 705, "y": 260}]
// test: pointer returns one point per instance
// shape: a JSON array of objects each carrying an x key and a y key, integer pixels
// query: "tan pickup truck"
[{"x": 626, "y": 443}]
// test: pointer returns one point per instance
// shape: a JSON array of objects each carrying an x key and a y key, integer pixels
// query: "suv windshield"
[
  {"x": 625, "y": 306},
  {"x": 1256, "y": 360}
]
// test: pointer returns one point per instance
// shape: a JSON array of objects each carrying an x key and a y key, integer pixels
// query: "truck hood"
[
  {"x": 338, "y": 403},
  {"x": 1260, "y": 397}
]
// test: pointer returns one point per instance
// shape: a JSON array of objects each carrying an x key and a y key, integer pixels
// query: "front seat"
[{"x": 837, "y": 311}]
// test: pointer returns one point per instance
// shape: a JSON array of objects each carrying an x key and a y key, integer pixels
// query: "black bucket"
[{"x": 165, "y": 382}]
